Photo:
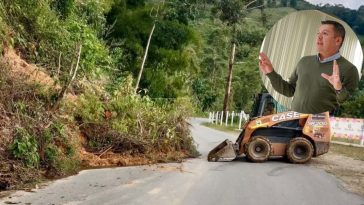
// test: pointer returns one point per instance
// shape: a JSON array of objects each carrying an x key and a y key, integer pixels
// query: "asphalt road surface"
[{"x": 196, "y": 181}]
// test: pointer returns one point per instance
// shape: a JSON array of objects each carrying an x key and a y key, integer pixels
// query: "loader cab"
[{"x": 265, "y": 104}]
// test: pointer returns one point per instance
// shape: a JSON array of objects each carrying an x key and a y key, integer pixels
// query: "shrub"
[
  {"x": 133, "y": 123},
  {"x": 24, "y": 148},
  {"x": 44, "y": 30},
  {"x": 51, "y": 154}
]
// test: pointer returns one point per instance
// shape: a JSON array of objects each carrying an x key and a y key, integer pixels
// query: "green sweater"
[{"x": 311, "y": 92}]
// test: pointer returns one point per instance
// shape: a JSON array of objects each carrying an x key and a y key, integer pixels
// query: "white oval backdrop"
[{"x": 293, "y": 37}]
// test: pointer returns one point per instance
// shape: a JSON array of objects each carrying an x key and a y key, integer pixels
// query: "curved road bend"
[{"x": 196, "y": 181}]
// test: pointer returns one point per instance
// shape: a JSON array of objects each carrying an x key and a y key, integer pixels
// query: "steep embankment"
[{"x": 39, "y": 139}]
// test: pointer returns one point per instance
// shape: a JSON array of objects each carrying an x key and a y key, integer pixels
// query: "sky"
[{"x": 352, "y": 4}]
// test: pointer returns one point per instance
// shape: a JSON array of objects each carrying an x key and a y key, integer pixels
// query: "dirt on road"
[{"x": 348, "y": 170}]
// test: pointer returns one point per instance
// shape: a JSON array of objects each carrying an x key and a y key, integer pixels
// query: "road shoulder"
[{"x": 348, "y": 170}]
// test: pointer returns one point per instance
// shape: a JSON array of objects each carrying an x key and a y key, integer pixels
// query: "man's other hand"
[
  {"x": 334, "y": 79},
  {"x": 264, "y": 63}
]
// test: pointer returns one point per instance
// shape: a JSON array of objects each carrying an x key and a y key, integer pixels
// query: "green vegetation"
[
  {"x": 48, "y": 31},
  {"x": 25, "y": 148},
  {"x": 92, "y": 51},
  {"x": 101, "y": 103},
  {"x": 129, "y": 123},
  {"x": 354, "y": 107},
  {"x": 36, "y": 137},
  {"x": 171, "y": 59},
  {"x": 346, "y": 140},
  {"x": 217, "y": 36}
]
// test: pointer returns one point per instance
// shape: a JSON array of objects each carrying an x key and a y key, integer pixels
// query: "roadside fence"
[{"x": 233, "y": 119}]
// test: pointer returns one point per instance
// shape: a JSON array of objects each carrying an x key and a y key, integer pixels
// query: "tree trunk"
[
  {"x": 229, "y": 77},
  {"x": 73, "y": 73},
  {"x": 145, "y": 57},
  {"x": 263, "y": 16}
]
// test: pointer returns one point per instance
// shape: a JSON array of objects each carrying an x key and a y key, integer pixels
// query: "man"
[
  {"x": 321, "y": 82},
  {"x": 269, "y": 109}
]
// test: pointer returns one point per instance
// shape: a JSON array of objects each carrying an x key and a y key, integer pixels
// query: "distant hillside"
[{"x": 355, "y": 18}]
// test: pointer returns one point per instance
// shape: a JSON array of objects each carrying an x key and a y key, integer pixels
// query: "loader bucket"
[{"x": 223, "y": 152}]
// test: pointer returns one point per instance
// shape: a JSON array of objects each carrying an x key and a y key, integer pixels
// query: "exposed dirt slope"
[{"x": 13, "y": 174}]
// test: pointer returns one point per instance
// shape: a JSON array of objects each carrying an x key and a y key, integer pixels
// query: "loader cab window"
[
  {"x": 281, "y": 108},
  {"x": 269, "y": 109},
  {"x": 265, "y": 104},
  {"x": 271, "y": 106}
]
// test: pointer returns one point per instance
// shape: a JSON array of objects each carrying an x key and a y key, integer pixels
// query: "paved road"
[{"x": 196, "y": 181}]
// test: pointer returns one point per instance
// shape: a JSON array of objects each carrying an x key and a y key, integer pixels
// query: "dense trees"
[
  {"x": 231, "y": 13},
  {"x": 223, "y": 78},
  {"x": 90, "y": 48},
  {"x": 169, "y": 64},
  {"x": 189, "y": 50},
  {"x": 355, "y": 18}
]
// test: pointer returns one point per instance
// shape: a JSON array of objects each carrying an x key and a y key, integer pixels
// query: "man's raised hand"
[
  {"x": 334, "y": 79},
  {"x": 264, "y": 63}
]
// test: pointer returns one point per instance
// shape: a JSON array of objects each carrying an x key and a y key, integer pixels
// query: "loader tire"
[
  {"x": 299, "y": 150},
  {"x": 258, "y": 149}
]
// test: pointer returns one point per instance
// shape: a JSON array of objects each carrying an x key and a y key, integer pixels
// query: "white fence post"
[
  {"x": 232, "y": 118},
  {"x": 216, "y": 117},
  {"x": 240, "y": 116},
  {"x": 245, "y": 116},
  {"x": 222, "y": 116},
  {"x": 227, "y": 116},
  {"x": 213, "y": 116}
]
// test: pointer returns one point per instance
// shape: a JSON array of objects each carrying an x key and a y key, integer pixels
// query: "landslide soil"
[{"x": 13, "y": 174}]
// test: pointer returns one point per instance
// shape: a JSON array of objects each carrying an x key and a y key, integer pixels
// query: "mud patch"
[
  {"x": 171, "y": 168},
  {"x": 110, "y": 159}
]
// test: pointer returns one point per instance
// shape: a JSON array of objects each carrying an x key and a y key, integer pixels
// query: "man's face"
[{"x": 327, "y": 42}]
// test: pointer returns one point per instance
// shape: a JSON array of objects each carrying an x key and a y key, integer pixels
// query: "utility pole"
[
  {"x": 155, "y": 16},
  {"x": 144, "y": 59},
  {"x": 230, "y": 76}
]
